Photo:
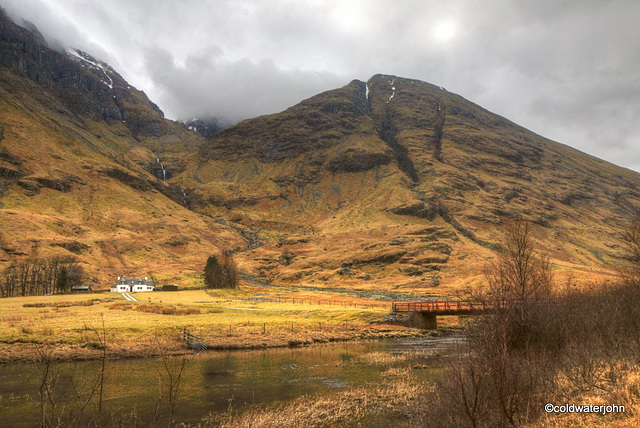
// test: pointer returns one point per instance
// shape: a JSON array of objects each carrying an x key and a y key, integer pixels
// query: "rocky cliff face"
[
  {"x": 84, "y": 87},
  {"x": 83, "y": 84}
]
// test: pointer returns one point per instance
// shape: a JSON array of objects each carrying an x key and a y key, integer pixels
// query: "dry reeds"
[{"x": 347, "y": 408}]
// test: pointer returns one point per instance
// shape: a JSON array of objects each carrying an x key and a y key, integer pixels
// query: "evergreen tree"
[
  {"x": 221, "y": 273},
  {"x": 212, "y": 272},
  {"x": 62, "y": 281}
]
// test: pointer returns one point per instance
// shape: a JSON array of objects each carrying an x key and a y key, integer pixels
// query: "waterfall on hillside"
[
  {"x": 164, "y": 173},
  {"x": 184, "y": 197}
]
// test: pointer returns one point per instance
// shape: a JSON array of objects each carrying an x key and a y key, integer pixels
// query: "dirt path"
[{"x": 129, "y": 297}]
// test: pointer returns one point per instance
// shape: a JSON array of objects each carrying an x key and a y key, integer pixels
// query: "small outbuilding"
[
  {"x": 81, "y": 289},
  {"x": 170, "y": 287}
]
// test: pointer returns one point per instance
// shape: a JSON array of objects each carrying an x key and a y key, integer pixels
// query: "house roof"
[{"x": 134, "y": 281}]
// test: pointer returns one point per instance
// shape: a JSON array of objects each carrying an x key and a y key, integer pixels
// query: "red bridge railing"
[{"x": 438, "y": 306}]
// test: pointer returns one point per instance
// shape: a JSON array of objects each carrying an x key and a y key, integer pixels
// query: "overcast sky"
[{"x": 568, "y": 70}]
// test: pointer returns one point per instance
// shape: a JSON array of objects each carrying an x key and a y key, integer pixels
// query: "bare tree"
[
  {"x": 170, "y": 376},
  {"x": 49, "y": 376},
  {"x": 535, "y": 346},
  {"x": 504, "y": 376},
  {"x": 96, "y": 389},
  {"x": 38, "y": 276},
  {"x": 519, "y": 282}
]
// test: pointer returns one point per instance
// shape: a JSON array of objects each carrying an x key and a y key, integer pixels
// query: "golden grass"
[
  {"x": 222, "y": 318},
  {"x": 626, "y": 392}
]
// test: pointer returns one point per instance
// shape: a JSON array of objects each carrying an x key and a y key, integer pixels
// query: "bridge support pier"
[{"x": 423, "y": 320}]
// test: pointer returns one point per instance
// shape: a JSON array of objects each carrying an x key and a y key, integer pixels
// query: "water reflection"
[{"x": 214, "y": 381}]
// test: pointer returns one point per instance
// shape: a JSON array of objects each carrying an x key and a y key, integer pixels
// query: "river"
[{"x": 213, "y": 381}]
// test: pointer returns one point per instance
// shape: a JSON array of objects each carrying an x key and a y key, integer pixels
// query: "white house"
[{"x": 132, "y": 285}]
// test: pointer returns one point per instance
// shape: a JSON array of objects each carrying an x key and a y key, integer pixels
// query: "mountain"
[
  {"x": 401, "y": 182},
  {"x": 389, "y": 183},
  {"x": 85, "y": 168}
]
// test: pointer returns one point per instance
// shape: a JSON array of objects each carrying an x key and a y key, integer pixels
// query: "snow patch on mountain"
[{"x": 84, "y": 58}]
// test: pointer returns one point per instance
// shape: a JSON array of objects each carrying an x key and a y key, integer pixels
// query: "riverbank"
[
  {"x": 19, "y": 352},
  {"x": 369, "y": 380},
  {"x": 73, "y": 326}
]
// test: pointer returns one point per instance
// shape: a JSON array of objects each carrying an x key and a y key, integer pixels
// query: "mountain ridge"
[
  {"x": 443, "y": 159},
  {"x": 391, "y": 182}
]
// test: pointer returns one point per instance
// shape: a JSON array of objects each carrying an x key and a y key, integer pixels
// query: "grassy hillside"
[
  {"x": 390, "y": 183},
  {"x": 396, "y": 182},
  {"x": 74, "y": 186}
]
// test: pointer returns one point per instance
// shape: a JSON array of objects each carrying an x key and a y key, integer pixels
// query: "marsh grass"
[
  {"x": 396, "y": 372},
  {"x": 62, "y": 304},
  {"x": 353, "y": 407},
  {"x": 383, "y": 358},
  {"x": 155, "y": 309}
]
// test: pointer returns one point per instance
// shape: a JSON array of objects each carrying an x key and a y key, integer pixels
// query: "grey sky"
[{"x": 568, "y": 70}]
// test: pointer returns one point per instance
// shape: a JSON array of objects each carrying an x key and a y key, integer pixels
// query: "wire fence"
[{"x": 313, "y": 301}]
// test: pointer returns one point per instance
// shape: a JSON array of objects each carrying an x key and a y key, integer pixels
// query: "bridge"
[{"x": 425, "y": 314}]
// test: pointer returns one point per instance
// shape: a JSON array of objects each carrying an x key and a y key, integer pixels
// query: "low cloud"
[
  {"x": 565, "y": 70},
  {"x": 207, "y": 85}
]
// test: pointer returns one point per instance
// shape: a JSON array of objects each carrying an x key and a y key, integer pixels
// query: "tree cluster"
[
  {"x": 221, "y": 272},
  {"x": 39, "y": 276}
]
